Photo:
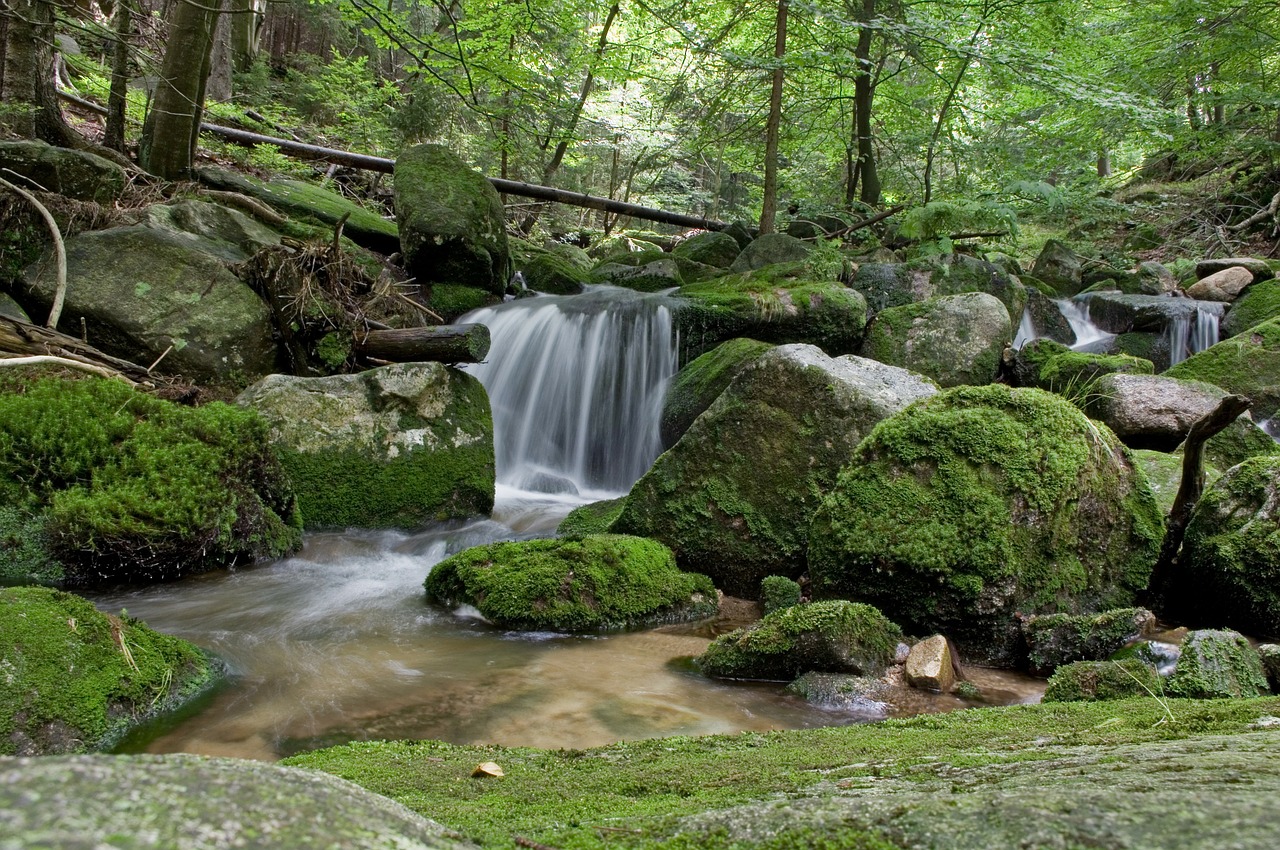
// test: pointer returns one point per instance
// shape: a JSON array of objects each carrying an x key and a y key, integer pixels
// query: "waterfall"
[
  {"x": 1088, "y": 335},
  {"x": 577, "y": 384},
  {"x": 1193, "y": 332},
  {"x": 1026, "y": 330}
]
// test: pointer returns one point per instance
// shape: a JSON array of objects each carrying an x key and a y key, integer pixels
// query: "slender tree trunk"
[
  {"x": 218, "y": 86},
  {"x": 769, "y": 204},
  {"x": 942, "y": 114},
  {"x": 113, "y": 136},
  {"x": 28, "y": 93},
  {"x": 1104, "y": 163},
  {"x": 169, "y": 134},
  {"x": 863, "y": 92},
  {"x": 1193, "y": 109}
]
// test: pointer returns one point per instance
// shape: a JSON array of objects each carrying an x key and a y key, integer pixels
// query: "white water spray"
[
  {"x": 1088, "y": 335},
  {"x": 1193, "y": 332}
]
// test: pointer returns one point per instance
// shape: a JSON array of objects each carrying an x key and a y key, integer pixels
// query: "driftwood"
[
  {"x": 441, "y": 344},
  {"x": 27, "y": 340},
  {"x": 1192, "y": 485}
]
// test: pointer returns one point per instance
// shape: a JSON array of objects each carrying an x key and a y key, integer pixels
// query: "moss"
[
  {"x": 1247, "y": 364},
  {"x": 1163, "y": 472},
  {"x": 24, "y": 550},
  {"x": 778, "y": 592},
  {"x": 711, "y": 248},
  {"x": 546, "y": 270},
  {"x": 588, "y": 584},
  {"x": 832, "y": 637},
  {"x": 451, "y": 301},
  {"x": 1054, "y": 640},
  {"x": 956, "y": 339},
  {"x": 595, "y": 518},
  {"x": 1217, "y": 664},
  {"x": 1102, "y": 680},
  {"x": 701, "y": 381},
  {"x": 334, "y": 349},
  {"x": 981, "y": 502},
  {"x": 1236, "y": 443},
  {"x": 1076, "y": 369},
  {"x": 76, "y": 679},
  {"x": 133, "y": 488},
  {"x": 645, "y": 792},
  {"x": 1257, "y": 304},
  {"x": 1229, "y": 571}
]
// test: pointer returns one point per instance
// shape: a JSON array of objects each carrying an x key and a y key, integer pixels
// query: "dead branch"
[
  {"x": 244, "y": 202},
  {"x": 65, "y": 362},
  {"x": 59, "y": 249},
  {"x": 1271, "y": 210}
]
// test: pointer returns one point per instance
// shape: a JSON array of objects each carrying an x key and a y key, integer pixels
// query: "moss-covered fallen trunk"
[{"x": 1063, "y": 775}]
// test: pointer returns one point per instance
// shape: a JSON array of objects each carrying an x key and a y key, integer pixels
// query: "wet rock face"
[
  {"x": 391, "y": 447},
  {"x": 181, "y": 802},
  {"x": 982, "y": 503},
  {"x": 734, "y": 496}
]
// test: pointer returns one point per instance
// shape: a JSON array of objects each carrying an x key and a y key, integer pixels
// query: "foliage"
[{"x": 778, "y": 592}]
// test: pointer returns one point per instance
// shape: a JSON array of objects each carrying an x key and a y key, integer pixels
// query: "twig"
[
  {"x": 337, "y": 234},
  {"x": 521, "y": 841},
  {"x": 870, "y": 221},
  {"x": 50, "y": 360},
  {"x": 60, "y": 250},
  {"x": 162, "y": 356}
]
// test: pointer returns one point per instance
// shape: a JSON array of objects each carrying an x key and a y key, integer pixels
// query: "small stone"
[
  {"x": 487, "y": 769},
  {"x": 1224, "y": 286},
  {"x": 929, "y": 665}
]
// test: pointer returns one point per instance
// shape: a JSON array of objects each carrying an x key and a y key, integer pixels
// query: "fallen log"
[
  {"x": 440, "y": 343},
  {"x": 25, "y": 339}
]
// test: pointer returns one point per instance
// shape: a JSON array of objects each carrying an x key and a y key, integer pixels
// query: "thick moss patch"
[
  {"x": 826, "y": 637},
  {"x": 1103, "y": 680},
  {"x": 1256, "y": 305},
  {"x": 982, "y": 778},
  {"x": 701, "y": 381},
  {"x": 595, "y": 518},
  {"x": 980, "y": 503},
  {"x": 588, "y": 584},
  {"x": 75, "y": 680},
  {"x": 126, "y": 487}
]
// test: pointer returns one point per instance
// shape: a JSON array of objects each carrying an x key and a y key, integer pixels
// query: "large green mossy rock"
[
  {"x": 711, "y": 248},
  {"x": 595, "y": 518},
  {"x": 1059, "y": 267},
  {"x": 826, "y": 637},
  {"x": 144, "y": 291},
  {"x": 311, "y": 203},
  {"x": 76, "y": 680},
  {"x": 1218, "y": 664},
  {"x": 558, "y": 269},
  {"x": 1054, "y": 640},
  {"x": 1052, "y": 366},
  {"x": 396, "y": 446},
  {"x": 700, "y": 382},
  {"x": 1229, "y": 571},
  {"x": 183, "y": 802},
  {"x": 1164, "y": 474},
  {"x": 778, "y": 304},
  {"x": 594, "y": 583},
  {"x": 954, "y": 339},
  {"x": 452, "y": 227},
  {"x": 75, "y": 174},
  {"x": 887, "y": 285},
  {"x": 1259, "y": 303},
  {"x": 104, "y": 485},
  {"x": 768, "y": 250},
  {"x": 1247, "y": 364},
  {"x": 1238, "y": 442},
  {"x": 734, "y": 496},
  {"x": 980, "y": 504},
  {"x": 1093, "y": 681}
]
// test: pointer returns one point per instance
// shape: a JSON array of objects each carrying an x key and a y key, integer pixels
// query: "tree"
[
  {"x": 769, "y": 204},
  {"x": 26, "y": 88},
  {"x": 173, "y": 122}
]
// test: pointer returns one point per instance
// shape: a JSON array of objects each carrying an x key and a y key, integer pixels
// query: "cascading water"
[
  {"x": 577, "y": 384},
  {"x": 1089, "y": 337},
  {"x": 1187, "y": 335},
  {"x": 1026, "y": 330}
]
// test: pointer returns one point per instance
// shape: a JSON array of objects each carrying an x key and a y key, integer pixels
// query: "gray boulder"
[
  {"x": 955, "y": 339},
  {"x": 228, "y": 234},
  {"x": 1059, "y": 267},
  {"x": 734, "y": 496},
  {"x": 1047, "y": 318},
  {"x": 1151, "y": 411},
  {"x": 1155, "y": 278},
  {"x": 1118, "y": 312},
  {"x": 654, "y": 276},
  {"x": 396, "y": 446},
  {"x": 143, "y": 291},
  {"x": 452, "y": 226},
  {"x": 76, "y": 174},
  {"x": 770, "y": 249},
  {"x": 183, "y": 802},
  {"x": 888, "y": 285}
]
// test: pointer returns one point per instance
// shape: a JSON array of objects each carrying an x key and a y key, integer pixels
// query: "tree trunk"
[
  {"x": 863, "y": 92},
  {"x": 246, "y": 32},
  {"x": 28, "y": 93},
  {"x": 218, "y": 86},
  {"x": 441, "y": 344},
  {"x": 169, "y": 133},
  {"x": 769, "y": 204},
  {"x": 113, "y": 136},
  {"x": 1104, "y": 163},
  {"x": 942, "y": 114}
]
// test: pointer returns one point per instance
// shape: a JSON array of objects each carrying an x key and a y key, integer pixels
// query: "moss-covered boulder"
[
  {"x": 826, "y": 637},
  {"x": 779, "y": 304},
  {"x": 1259, "y": 303},
  {"x": 887, "y": 285},
  {"x": 144, "y": 291},
  {"x": 982, "y": 503},
  {"x": 1239, "y": 441},
  {"x": 1164, "y": 474},
  {"x": 661, "y": 272},
  {"x": 768, "y": 250},
  {"x": 391, "y": 447},
  {"x": 451, "y": 301},
  {"x": 76, "y": 680},
  {"x": 1150, "y": 411},
  {"x": 1090, "y": 681},
  {"x": 452, "y": 227},
  {"x": 312, "y": 204},
  {"x": 1060, "y": 267},
  {"x": 1229, "y": 571},
  {"x": 183, "y": 802},
  {"x": 955, "y": 339},
  {"x": 1218, "y": 664},
  {"x": 1269, "y": 654},
  {"x": 228, "y": 234},
  {"x": 559, "y": 269},
  {"x": 711, "y": 248},
  {"x": 103, "y": 484},
  {"x": 1049, "y": 365},
  {"x": 700, "y": 382},
  {"x": 587, "y": 584},
  {"x": 77, "y": 174},
  {"x": 734, "y": 496},
  {"x": 595, "y": 518},
  {"x": 1247, "y": 364},
  {"x": 1118, "y": 312},
  {"x": 1057, "y": 639}
]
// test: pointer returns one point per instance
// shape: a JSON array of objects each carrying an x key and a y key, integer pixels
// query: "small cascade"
[
  {"x": 1026, "y": 330},
  {"x": 1272, "y": 427},
  {"x": 1193, "y": 332},
  {"x": 1089, "y": 337},
  {"x": 577, "y": 384}
]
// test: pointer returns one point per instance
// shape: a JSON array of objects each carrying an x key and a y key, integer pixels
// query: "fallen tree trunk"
[
  {"x": 25, "y": 339},
  {"x": 440, "y": 343}
]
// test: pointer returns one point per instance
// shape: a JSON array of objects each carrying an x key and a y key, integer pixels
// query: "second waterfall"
[{"x": 577, "y": 384}]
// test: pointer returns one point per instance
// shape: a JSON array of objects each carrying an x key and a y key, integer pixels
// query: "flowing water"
[
  {"x": 337, "y": 643},
  {"x": 1089, "y": 337},
  {"x": 1190, "y": 334}
]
